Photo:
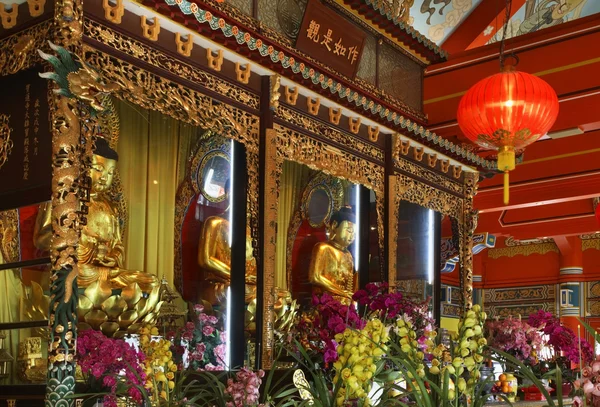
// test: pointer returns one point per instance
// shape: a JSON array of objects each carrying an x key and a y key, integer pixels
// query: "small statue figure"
[
  {"x": 332, "y": 266},
  {"x": 214, "y": 257}
]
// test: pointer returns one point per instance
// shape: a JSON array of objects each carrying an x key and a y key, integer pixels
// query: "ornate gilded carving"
[
  {"x": 524, "y": 250},
  {"x": 520, "y": 294},
  {"x": 274, "y": 84},
  {"x": 282, "y": 144},
  {"x": 9, "y": 235},
  {"x": 68, "y": 16},
  {"x": 411, "y": 190},
  {"x": 66, "y": 217},
  {"x": 511, "y": 241},
  {"x": 6, "y": 144},
  {"x": 393, "y": 212},
  {"x": 155, "y": 93},
  {"x": 160, "y": 60},
  {"x": 318, "y": 155},
  {"x": 333, "y": 187},
  {"x": 71, "y": 156},
  {"x": 467, "y": 225},
  {"x": 19, "y": 50},
  {"x": 270, "y": 204},
  {"x": 590, "y": 244},
  {"x": 331, "y": 133},
  {"x": 32, "y": 366},
  {"x": 402, "y": 147}
]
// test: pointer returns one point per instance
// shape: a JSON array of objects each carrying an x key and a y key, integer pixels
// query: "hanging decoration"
[{"x": 507, "y": 111}]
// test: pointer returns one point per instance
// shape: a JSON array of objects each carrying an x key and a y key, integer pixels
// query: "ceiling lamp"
[{"x": 507, "y": 111}]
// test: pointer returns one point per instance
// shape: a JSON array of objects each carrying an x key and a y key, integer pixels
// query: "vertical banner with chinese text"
[{"x": 25, "y": 140}]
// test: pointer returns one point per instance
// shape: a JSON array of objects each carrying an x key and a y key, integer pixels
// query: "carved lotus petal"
[
  {"x": 128, "y": 318},
  {"x": 95, "y": 318},
  {"x": 98, "y": 293},
  {"x": 133, "y": 329},
  {"x": 109, "y": 328},
  {"x": 131, "y": 294},
  {"x": 84, "y": 305},
  {"x": 114, "y": 306}
]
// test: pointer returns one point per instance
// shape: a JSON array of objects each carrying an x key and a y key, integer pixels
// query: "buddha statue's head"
[
  {"x": 104, "y": 165},
  {"x": 342, "y": 227}
]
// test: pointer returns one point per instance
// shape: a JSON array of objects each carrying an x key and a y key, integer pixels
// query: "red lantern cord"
[{"x": 507, "y": 111}]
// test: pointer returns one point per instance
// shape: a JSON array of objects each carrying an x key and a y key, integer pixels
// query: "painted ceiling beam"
[
  {"x": 540, "y": 192},
  {"x": 483, "y": 16},
  {"x": 564, "y": 226}
]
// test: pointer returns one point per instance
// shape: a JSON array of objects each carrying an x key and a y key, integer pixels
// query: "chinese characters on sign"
[
  {"x": 27, "y": 172},
  {"x": 26, "y": 133},
  {"x": 329, "y": 38}
]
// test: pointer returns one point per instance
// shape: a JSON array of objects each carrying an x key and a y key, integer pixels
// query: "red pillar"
[{"x": 570, "y": 297}]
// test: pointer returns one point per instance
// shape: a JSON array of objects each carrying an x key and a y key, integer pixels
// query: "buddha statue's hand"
[
  {"x": 250, "y": 279},
  {"x": 108, "y": 261}
]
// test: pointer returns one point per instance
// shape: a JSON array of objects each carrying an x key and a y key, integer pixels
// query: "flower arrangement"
[
  {"x": 201, "y": 342},
  {"x": 243, "y": 390},
  {"x": 388, "y": 306},
  {"x": 359, "y": 352},
  {"x": 516, "y": 337},
  {"x": 159, "y": 366},
  {"x": 561, "y": 338},
  {"x": 110, "y": 364},
  {"x": 317, "y": 328}
]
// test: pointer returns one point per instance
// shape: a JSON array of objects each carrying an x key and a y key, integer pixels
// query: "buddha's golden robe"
[
  {"x": 101, "y": 251},
  {"x": 332, "y": 270},
  {"x": 214, "y": 257}
]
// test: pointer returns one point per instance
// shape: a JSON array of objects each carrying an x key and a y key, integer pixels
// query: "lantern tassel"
[{"x": 506, "y": 187}]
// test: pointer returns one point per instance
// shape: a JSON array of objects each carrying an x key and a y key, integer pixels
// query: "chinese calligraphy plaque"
[
  {"x": 26, "y": 169},
  {"x": 331, "y": 39}
]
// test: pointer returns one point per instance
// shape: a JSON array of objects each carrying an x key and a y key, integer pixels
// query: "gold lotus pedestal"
[{"x": 114, "y": 312}]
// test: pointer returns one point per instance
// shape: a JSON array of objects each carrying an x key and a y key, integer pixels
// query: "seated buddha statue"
[
  {"x": 331, "y": 267},
  {"x": 100, "y": 251},
  {"x": 214, "y": 258}
]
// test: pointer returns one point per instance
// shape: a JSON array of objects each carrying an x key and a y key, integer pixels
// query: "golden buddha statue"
[
  {"x": 100, "y": 253},
  {"x": 332, "y": 266},
  {"x": 214, "y": 257}
]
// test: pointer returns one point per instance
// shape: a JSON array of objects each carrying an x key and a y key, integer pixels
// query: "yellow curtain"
[
  {"x": 294, "y": 177},
  {"x": 10, "y": 311},
  {"x": 153, "y": 151}
]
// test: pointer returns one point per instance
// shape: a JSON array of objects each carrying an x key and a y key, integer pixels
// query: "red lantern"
[{"x": 507, "y": 112}]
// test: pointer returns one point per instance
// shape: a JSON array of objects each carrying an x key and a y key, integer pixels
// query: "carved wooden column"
[
  {"x": 66, "y": 219},
  {"x": 467, "y": 227}
]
